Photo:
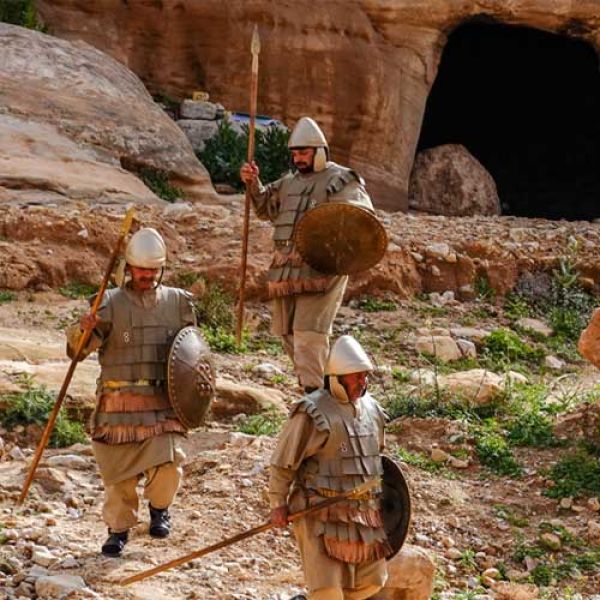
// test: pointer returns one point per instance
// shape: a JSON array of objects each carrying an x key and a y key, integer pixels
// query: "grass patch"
[
  {"x": 158, "y": 181},
  {"x": 33, "y": 406},
  {"x": 423, "y": 462},
  {"x": 483, "y": 289},
  {"x": 371, "y": 304},
  {"x": 268, "y": 423},
  {"x": 501, "y": 511},
  {"x": 575, "y": 474},
  {"x": 494, "y": 452},
  {"x": 7, "y": 296},
  {"x": 503, "y": 349},
  {"x": 76, "y": 290}
]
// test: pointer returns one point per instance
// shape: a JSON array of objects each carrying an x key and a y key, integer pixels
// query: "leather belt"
[{"x": 111, "y": 384}]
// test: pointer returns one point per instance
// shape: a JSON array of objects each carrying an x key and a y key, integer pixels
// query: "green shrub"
[
  {"x": 224, "y": 154},
  {"x": 215, "y": 308},
  {"x": 268, "y": 423},
  {"x": 575, "y": 474},
  {"x": 417, "y": 459},
  {"x": 20, "y": 12},
  {"x": 517, "y": 306},
  {"x": 33, "y": 406},
  {"x": 503, "y": 348},
  {"x": 158, "y": 181},
  {"x": 483, "y": 288},
  {"x": 494, "y": 453},
  {"x": 7, "y": 296},
  {"x": 77, "y": 290},
  {"x": 371, "y": 304}
]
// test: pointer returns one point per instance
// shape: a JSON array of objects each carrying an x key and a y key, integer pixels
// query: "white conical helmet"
[
  {"x": 146, "y": 249},
  {"x": 347, "y": 356},
  {"x": 307, "y": 134}
]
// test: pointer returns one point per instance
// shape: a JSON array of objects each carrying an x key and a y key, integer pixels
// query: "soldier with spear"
[{"x": 139, "y": 421}]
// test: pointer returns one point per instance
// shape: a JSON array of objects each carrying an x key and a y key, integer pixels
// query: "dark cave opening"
[{"x": 526, "y": 104}]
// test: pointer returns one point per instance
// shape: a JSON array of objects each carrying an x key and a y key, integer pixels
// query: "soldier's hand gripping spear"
[
  {"x": 91, "y": 319},
  {"x": 355, "y": 494},
  {"x": 255, "y": 49}
]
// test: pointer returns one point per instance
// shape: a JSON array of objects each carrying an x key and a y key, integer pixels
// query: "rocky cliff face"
[
  {"x": 71, "y": 116},
  {"x": 363, "y": 69}
]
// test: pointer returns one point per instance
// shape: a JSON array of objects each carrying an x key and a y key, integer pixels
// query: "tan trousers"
[
  {"x": 332, "y": 593},
  {"x": 308, "y": 351},
  {"x": 121, "y": 499},
  {"x": 330, "y": 579}
]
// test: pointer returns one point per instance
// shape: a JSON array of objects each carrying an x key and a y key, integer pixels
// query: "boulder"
[
  {"x": 410, "y": 576},
  {"x": 448, "y": 180},
  {"x": 58, "y": 586},
  {"x": 535, "y": 325},
  {"x": 477, "y": 386},
  {"x": 234, "y": 398},
  {"x": 72, "y": 116},
  {"x": 440, "y": 346},
  {"x": 198, "y": 132}
]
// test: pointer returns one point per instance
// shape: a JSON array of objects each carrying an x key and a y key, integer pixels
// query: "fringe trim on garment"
[
  {"x": 356, "y": 552},
  {"x": 126, "y": 402},
  {"x": 126, "y": 434},
  {"x": 291, "y": 287},
  {"x": 347, "y": 514},
  {"x": 293, "y": 259}
]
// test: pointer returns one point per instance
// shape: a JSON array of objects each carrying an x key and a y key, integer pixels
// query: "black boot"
[
  {"x": 160, "y": 523},
  {"x": 299, "y": 597},
  {"x": 309, "y": 389},
  {"x": 115, "y": 543}
]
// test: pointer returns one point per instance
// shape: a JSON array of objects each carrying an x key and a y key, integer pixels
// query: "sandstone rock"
[
  {"x": 593, "y": 532},
  {"x": 191, "y": 109},
  {"x": 550, "y": 541},
  {"x": 442, "y": 347},
  {"x": 72, "y": 116},
  {"x": 535, "y": 325},
  {"x": 478, "y": 386},
  {"x": 594, "y": 504},
  {"x": 448, "y": 180},
  {"x": 43, "y": 557},
  {"x": 198, "y": 132},
  {"x": 467, "y": 348},
  {"x": 515, "y": 591},
  {"x": 512, "y": 377},
  {"x": 68, "y": 461},
  {"x": 471, "y": 333},
  {"x": 439, "y": 456},
  {"x": 233, "y": 398},
  {"x": 422, "y": 377},
  {"x": 410, "y": 576},
  {"x": 554, "y": 363},
  {"x": 53, "y": 586}
]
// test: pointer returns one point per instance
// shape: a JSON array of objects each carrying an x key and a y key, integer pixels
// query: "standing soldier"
[
  {"x": 331, "y": 444},
  {"x": 135, "y": 429},
  {"x": 305, "y": 301}
]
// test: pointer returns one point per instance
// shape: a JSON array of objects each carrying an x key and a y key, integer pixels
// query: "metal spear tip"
[{"x": 255, "y": 46}]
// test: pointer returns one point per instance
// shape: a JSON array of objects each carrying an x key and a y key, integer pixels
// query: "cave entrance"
[{"x": 526, "y": 104}]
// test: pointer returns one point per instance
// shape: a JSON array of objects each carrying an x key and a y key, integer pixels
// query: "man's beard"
[{"x": 304, "y": 168}]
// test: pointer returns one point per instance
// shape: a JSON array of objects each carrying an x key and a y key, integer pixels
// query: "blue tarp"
[{"x": 260, "y": 119}]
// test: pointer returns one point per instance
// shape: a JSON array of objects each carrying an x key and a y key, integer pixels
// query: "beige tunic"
[{"x": 299, "y": 440}]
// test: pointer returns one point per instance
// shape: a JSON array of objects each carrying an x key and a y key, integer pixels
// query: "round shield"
[
  {"x": 190, "y": 377},
  {"x": 395, "y": 504},
  {"x": 337, "y": 238}
]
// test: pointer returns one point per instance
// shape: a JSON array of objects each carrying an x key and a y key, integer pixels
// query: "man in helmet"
[
  {"x": 305, "y": 301},
  {"x": 134, "y": 429},
  {"x": 332, "y": 443}
]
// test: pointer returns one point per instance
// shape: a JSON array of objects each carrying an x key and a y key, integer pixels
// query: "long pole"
[
  {"x": 355, "y": 493},
  {"x": 125, "y": 227},
  {"x": 255, "y": 49}
]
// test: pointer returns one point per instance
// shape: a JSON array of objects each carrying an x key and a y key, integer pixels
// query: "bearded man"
[
  {"x": 135, "y": 432},
  {"x": 332, "y": 443},
  {"x": 304, "y": 300}
]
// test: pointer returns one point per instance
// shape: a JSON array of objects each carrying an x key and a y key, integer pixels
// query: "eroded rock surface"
[{"x": 72, "y": 116}]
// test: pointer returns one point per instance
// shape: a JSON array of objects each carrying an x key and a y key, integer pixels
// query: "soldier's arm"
[
  {"x": 101, "y": 328},
  {"x": 351, "y": 190},
  {"x": 298, "y": 440},
  {"x": 265, "y": 198},
  {"x": 186, "y": 309}
]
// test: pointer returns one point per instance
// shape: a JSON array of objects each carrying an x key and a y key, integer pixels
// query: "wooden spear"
[
  {"x": 255, "y": 50},
  {"x": 356, "y": 493},
  {"x": 125, "y": 227}
]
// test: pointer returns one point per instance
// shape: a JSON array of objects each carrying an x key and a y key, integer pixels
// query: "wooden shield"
[{"x": 337, "y": 238}]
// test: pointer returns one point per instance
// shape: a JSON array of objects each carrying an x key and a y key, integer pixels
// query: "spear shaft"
[
  {"x": 255, "y": 49},
  {"x": 125, "y": 227},
  {"x": 356, "y": 493}
]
